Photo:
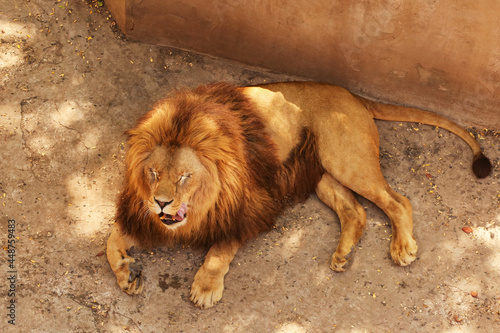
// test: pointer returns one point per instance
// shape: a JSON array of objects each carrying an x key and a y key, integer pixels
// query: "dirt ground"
[{"x": 71, "y": 84}]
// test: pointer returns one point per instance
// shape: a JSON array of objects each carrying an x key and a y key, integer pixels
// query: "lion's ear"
[
  {"x": 131, "y": 134},
  {"x": 136, "y": 130}
]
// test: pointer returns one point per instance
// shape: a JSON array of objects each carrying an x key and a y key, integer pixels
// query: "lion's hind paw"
[
  {"x": 404, "y": 253},
  {"x": 339, "y": 263}
]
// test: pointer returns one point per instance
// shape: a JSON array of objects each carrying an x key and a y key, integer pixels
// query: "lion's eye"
[
  {"x": 153, "y": 174},
  {"x": 184, "y": 177}
]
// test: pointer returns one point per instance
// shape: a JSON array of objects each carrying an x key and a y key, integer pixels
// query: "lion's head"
[
  {"x": 173, "y": 170},
  {"x": 174, "y": 177}
]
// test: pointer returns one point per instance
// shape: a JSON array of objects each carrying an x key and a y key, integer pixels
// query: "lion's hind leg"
[
  {"x": 395, "y": 206},
  {"x": 398, "y": 208},
  {"x": 370, "y": 183},
  {"x": 351, "y": 214},
  {"x": 130, "y": 280},
  {"x": 349, "y": 152}
]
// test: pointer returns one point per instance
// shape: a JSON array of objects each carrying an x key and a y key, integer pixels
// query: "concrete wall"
[{"x": 440, "y": 55}]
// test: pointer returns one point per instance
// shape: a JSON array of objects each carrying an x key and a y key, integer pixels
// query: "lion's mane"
[{"x": 254, "y": 184}]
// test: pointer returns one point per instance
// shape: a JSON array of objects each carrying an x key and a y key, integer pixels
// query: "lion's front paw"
[
  {"x": 206, "y": 290},
  {"x": 404, "y": 251},
  {"x": 129, "y": 277},
  {"x": 339, "y": 263}
]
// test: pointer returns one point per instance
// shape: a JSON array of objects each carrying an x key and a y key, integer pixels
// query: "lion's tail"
[{"x": 481, "y": 165}]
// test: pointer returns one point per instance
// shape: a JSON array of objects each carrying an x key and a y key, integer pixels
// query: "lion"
[{"x": 214, "y": 166}]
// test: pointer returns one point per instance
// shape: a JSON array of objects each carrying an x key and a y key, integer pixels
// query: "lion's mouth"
[{"x": 172, "y": 219}]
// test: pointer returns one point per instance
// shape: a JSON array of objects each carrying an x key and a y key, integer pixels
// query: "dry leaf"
[{"x": 467, "y": 230}]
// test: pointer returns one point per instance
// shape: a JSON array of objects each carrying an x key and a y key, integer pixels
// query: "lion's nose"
[{"x": 163, "y": 203}]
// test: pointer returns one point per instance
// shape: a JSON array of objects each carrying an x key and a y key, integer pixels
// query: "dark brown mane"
[{"x": 255, "y": 185}]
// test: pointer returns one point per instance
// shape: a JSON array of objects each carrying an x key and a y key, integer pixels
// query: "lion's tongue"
[{"x": 180, "y": 213}]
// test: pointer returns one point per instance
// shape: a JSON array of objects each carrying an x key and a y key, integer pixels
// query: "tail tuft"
[{"x": 481, "y": 165}]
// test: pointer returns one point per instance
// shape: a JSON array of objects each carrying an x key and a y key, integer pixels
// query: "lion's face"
[{"x": 174, "y": 176}]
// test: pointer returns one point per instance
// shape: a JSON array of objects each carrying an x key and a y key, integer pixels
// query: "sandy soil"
[{"x": 71, "y": 84}]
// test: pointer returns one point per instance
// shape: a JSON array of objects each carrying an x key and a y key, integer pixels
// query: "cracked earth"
[{"x": 71, "y": 84}]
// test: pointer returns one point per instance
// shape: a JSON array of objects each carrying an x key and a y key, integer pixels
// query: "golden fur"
[
  {"x": 241, "y": 176},
  {"x": 213, "y": 167}
]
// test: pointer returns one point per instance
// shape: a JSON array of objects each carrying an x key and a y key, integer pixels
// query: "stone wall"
[{"x": 439, "y": 55}]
